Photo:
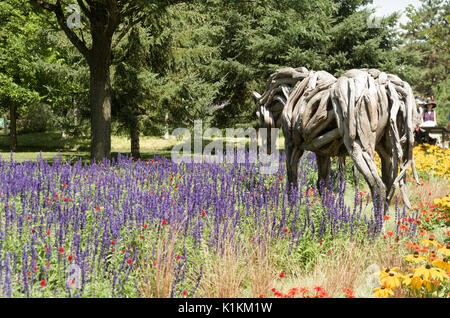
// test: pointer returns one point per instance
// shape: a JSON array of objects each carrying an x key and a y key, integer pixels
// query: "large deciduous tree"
[
  {"x": 18, "y": 63},
  {"x": 106, "y": 23}
]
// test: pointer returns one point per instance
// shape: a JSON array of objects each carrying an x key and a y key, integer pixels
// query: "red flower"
[
  {"x": 386, "y": 217},
  {"x": 98, "y": 208},
  {"x": 113, "y": 242},
  {"x": 203, "y": 213},
  {"x": 61, "y": 249},
  {"x": 145, "y": 226},
  {"x": 178, "y": 256},
  {"x": 184, "y": 293},
  {"x": 281, "y": 274},
  {"x": 164, "y": 222},
  {"x": 70, "y": 257},
  {"x": 390, "y": 234},
  {"x": 130, "y": 261},
  {"x": 48, "y": 232},
  {"x": 261, "y": 296},
  {"x": 43, "y": 283}
]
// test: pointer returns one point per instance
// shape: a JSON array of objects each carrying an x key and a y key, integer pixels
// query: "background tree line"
[{"x": 144, "y": 66}]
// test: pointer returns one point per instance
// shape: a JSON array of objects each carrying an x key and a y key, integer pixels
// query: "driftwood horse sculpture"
[{"x": 363, "y": 111}]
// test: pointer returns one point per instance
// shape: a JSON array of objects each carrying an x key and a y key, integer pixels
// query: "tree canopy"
[{"x": 136, "y": 63}]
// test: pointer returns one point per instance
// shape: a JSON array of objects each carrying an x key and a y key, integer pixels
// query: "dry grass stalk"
[
  {"x": 159, "y": 272},
  {"x": 260, "y": 267},
  {"x": 224, "y": 275}
]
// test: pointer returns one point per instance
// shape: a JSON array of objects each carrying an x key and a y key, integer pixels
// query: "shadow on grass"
[
  {"x": 50, "y": 141},
  {"x": 51, "y": 146}
]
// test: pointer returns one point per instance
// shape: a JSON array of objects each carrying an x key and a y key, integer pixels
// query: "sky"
[{"x": 386, "y": 7}]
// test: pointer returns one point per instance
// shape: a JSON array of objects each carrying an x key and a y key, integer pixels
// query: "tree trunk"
[
  {"x": 13, "y": 127},
  {"x": 134, "y": 136},
  {"x": 5, "y": 126},
  {"x": 166, "y": 121},
  {"x": 100, "y": 100}
]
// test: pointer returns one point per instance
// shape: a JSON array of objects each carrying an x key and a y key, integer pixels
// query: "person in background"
[
  {"x": 419, "y": 104},
  {"x": 429, "y": 114}
]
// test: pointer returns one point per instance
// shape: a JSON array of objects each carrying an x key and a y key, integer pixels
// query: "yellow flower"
[
  {"x": 413, "y": 282},
  {"x": 385, "y": 273},
  {"x": 428, "y": 285},
  {"x": 430, "y": 272},
  {"x": 445, "y": 250},
  {"x": 383, "y": 292},
  {"x": 429, "y": 242},
  {"x": 416, "y": 258},
  {"x": 392, "y": 281},
  {"x": 444, "y": 264}
]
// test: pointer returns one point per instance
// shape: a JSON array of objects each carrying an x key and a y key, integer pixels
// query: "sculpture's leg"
[
  {"x": 366, "y": 165},
  {"x": 386, "y": 169},
  {"x": 356, "y": 175},
  {"x": 293, "y": 155},
  {"x": 341, "y": 166},
  {"x": 269, "y": 140},
  {"x": 323, "y": 166}
]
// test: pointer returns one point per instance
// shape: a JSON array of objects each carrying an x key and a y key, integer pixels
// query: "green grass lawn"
[{"x": 50, "y": 145}]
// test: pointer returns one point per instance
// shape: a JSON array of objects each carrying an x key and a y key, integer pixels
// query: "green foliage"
[
  {"x": 201, "y": 60},
  {"x": 427, "y": 35},
  {"x": 17, "y": 67},
  {"x": 441, "y": 93}
]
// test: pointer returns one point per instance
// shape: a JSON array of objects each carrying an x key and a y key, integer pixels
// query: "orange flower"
[
  {"x": 386, "y": 217},
  {"x": 422, "y": 232},
  {"x": 390, "y": 233},
  {"x": 293, "y": 292}
]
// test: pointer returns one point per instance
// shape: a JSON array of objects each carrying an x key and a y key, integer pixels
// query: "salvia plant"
[{"x": 127, "y": 228}]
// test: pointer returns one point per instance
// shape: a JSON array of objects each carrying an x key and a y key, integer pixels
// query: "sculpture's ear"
[{"x": 256, "y": 96}]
